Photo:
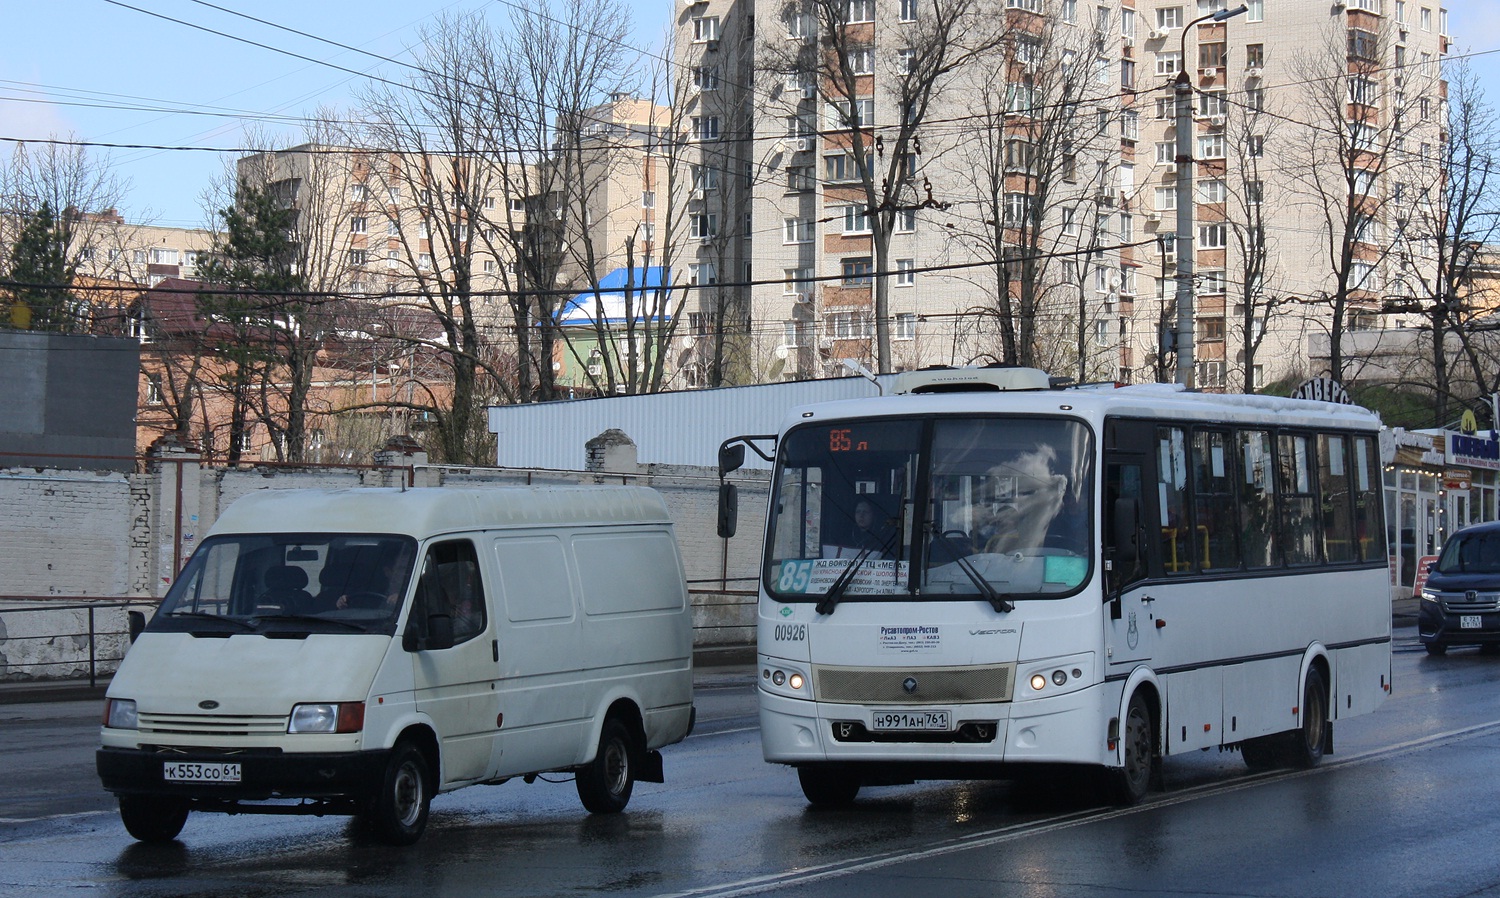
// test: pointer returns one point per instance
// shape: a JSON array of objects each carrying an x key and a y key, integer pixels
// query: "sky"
[{"x": 117, "y": 72}]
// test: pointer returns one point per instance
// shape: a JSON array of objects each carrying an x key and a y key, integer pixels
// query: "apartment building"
[{"x": 1038, "y": 213}]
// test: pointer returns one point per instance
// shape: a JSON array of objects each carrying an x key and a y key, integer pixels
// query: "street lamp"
[{"x": 1183, "y": 91}]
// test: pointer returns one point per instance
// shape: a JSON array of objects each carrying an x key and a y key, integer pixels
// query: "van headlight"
[
  {"x": 327, "y": 717},
  {"x": 119, "y": 714},
  {"x": 1429, "y": 595}
]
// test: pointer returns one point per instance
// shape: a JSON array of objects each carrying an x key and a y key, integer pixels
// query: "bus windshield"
[{"x": 995, "y": 508}]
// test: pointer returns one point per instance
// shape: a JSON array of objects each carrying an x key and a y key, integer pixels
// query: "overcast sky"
[{"x": 109, "y": 71}]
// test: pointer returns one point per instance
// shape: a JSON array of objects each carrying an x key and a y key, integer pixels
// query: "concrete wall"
[{"x": 78, "y": 535}]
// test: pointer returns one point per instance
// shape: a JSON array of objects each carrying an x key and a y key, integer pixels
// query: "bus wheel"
[
  {"x": 828, "y": 786},
  {"x": 1130, "y": 783},
  {"x": 1263, "y": 753},
  {"x": 399, "y": 812},
  {"x": 152, "y": 819},
  {"x": 605, "y": 783},
  {"x": 1305, "y": 748}
]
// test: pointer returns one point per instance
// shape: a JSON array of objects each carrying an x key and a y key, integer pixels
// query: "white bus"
[{"x": 983, "y": 572}]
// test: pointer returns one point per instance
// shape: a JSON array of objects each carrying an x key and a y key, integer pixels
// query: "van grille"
[
  {"x": 886, "y": 685},
  {"x": 212, "y": 724},
  {"x": 1469, "y": 602}
]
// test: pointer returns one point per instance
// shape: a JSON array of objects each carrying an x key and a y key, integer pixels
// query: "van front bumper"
[{"x": 263, "y": 775}]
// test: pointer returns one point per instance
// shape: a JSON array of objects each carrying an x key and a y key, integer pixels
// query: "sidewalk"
[{"x": 708, "y": 662}]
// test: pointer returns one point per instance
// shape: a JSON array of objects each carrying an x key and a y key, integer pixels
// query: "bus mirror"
[
  {"x": 729, "y": 507},
  {"x": 1125, "y": 529},
  {"x": 731, "y": 457}
]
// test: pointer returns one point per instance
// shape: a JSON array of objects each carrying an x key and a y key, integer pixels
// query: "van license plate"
[
  {"x": 1470, "y": 622},
  {"x": 195, "y": 772},
  {"x": 889, "y": 721}
]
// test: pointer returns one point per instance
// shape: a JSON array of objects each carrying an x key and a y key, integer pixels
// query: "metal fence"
[{"x": 65, "y": 640}]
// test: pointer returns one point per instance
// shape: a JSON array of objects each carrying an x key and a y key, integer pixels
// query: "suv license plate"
[
  {"x": 1470, "y": 622},
  {"x": 888, "y": 721},
  {"x": 196, "y": 772}
]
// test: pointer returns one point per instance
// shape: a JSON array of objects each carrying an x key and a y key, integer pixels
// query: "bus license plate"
[
  {"x": 196, "y": 772},
  {"x": 891, "y": 721},
  {"x": 1470, "y": 622}
]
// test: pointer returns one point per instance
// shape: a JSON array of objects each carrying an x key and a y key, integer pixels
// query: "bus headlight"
[
  {"x": 780, "y": 678},
  {"x": 1055, "y": 676}
]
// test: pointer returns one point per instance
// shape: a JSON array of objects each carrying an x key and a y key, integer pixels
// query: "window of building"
[
  {"x": 1256, "y": 10},
  {"x": 357, "y": 256},
  {"x": 798, "y": 280},
  {"x": 862, "y": 60},
  {"x": 1070, "y": 11},
  {"x": 1070, "y": 221},
  {"x": 857, "y": 270},
  {"x": 1127, "y": 227},
  {"x": 706, "y": 77},
  {"x": 357, "y": 224},
  {"x": 1255, "y": 99},
  {"x": 1168, "y": 63},
  {"x": 705, "y": 225},
  {"x": 1211, "y": 146},
  {"x": 392, "y": 258},
  {"x": 1213, "y": 235},
  {"x": 906, "y": 272},
  {"x": 1130, "y": 125},
  {"x": 1210, "y": 283},
  {"x": 705, "y": 28},
  {"x": 1210, "y": 6},
  {"x": 703, "y": 274},
  {"x": 392, "y": 228},
  {"x": 1166, "y": 199},
  {"x": 797, "y": 230},
  {"x": 706, "y": 127},
  {"x": 800, "y": 178},
  {"x": 1211, "y": 102},
  {"x": 359, "y": 192},
  {"x": 1212, "y": 190},
  {"x": 424, "y": 261},
  {"x": 852, "y": 325},
  {"x": 907, "y": 10},
  {"x": 1426, "y": 18},
  {"x": 857, "y": 114},
  {"x": 860, "y": 10},
  {"x": 154, "y": 394},
  {"x": 1028, "y": 5},
  {"x": 856, "y": 219},
  {"x": 1169, "y": 17},
  {"x": 1401, "y": 12},
  {"x": 1255, "y": 146},
  {"x": 1255, "y": 192},
  {"x": 1363, "y": 91},
  {"x": 906, "y": 220},
  {"x": 1166, "y": 153},
  {"x": 906, "y": 326},
  {"x": 1127, "y": 74},
  {"x": 1211, "y": 55},
  {"x": 1016, "y": 207},
  {"x": 791, "y": 333},
  {"x": 905, "y": 56}
]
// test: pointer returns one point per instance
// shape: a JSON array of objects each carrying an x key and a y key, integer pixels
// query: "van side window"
[{"x": 450, "y": 585}]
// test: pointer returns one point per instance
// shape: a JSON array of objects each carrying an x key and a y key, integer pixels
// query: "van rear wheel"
[
  {"x": 605, "y": 783},
  {"x": 398, "y": 814},
  {"x": 153, "y": 819}
]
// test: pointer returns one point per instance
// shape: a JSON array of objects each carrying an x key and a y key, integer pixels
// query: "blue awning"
[{"x": 645, "y": 296}]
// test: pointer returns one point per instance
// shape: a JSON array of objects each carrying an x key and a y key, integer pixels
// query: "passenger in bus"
[
  {"x": 873, "y": 530},
  {"x": 1032, "y": 498}
]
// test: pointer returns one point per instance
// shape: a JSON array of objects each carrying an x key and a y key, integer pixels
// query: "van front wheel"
[
  {"x": 605, "y": 783},
  {"x": 152, "y": 819},
  {"x": 399, "y": 812}
]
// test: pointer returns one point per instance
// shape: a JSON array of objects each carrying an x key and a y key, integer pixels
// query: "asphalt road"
[{"x": 1405, "y": 806}]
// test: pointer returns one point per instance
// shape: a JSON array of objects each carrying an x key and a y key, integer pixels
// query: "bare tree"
[
  {"x": 1356, "y": 142},
  {"x": 839, "y": 63},
  {"x": 1038, "y": 147},
  {"x": 1450, "y": 211}
]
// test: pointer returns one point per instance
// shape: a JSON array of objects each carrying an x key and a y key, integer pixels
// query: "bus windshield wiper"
[
  {"x": 837, "y": 589},
  {"x": 998, "y": 601}
]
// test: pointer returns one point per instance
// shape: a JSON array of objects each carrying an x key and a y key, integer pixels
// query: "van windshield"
[{"x": 287, "y": 584}]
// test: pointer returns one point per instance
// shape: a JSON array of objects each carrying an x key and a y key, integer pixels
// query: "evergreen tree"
[{"x": 39, "y": 266}]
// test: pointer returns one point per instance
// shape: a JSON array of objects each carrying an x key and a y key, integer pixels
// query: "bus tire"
[
  {"x": 828, "y": 785},
  {"x": 1261, "y": 754},
  {"x": 398, "y": 815},
  {"x": 605, "y": 783},
  {"x": 1130, "y": 782},
  {"x": 153, "y": 819},
  {"x": 1305, "y": 747}
]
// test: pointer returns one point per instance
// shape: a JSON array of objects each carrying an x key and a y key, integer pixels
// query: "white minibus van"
[{"x": 357, "y": 651}]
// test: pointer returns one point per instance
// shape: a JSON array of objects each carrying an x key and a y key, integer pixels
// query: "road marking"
[
  {"x": 835, "y": 869},
  {"x": 55, "y": 817}
]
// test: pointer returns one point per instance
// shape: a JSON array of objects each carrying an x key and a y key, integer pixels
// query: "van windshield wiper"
[
  {"x": 311, "y": 618},
  {"x": 209, "y": 615}
]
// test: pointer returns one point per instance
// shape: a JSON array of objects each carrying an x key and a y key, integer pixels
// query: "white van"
[{"x": 358, "y": 651}]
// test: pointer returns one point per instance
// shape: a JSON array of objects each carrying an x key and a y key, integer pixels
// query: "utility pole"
[{"x": 1182, "y": 90}]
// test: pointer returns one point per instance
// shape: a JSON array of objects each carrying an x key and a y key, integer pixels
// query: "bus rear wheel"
[
  {"x": 1305, "y": 745},
  {"x": 828, "y": 786},
  {"x": 1130, "y": 782}
]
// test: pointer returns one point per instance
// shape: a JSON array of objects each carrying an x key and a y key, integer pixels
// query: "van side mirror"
[
  {"x": 729, "y": 507},
  {"x": 136, "y": 623},
  {"x": 731, "y": 458},
  {"x": 439, "y": 632}
]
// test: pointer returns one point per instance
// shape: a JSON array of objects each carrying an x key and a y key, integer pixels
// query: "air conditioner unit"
[
  {"x": 801, "y": 144},
  {"x": 1210, "y": 72},
  {"x": 1158, "y": 33},
  {"x": 1403, "y": 34},
  {"x": 809, "y": 91},
  {"x": 697, "y": 193},
  {"x": 1254, "y": 71},
  {"x": 1105, "y": 196},
  {"x": 801, "y": 297},
  {"x": 1216, "y": 121},
  {"x": 1128, "y": 41},
  {"x": 595, "y": 370},
  {"x": 711, "y": 44},
  {"x": 1153, "y": 216}
]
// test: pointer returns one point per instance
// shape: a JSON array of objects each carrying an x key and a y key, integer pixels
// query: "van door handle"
[
  {"x": 495, "y": 649},
  {"x": 1147, "y": 600}
]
